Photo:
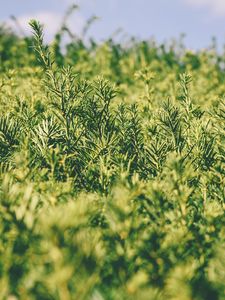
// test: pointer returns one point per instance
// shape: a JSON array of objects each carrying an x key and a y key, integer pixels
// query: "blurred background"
[{"x": 200, "y": 20}]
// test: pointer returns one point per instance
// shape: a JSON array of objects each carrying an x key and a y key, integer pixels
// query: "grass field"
[{"x": 112, "y": 164}]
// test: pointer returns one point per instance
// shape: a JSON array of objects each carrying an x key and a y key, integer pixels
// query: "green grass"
[{"x": 111, "y": 170}]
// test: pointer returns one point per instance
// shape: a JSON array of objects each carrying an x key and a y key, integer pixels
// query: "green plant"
[{"x": 110, "y": 191}]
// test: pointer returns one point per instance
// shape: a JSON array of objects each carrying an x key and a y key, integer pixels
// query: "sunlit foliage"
[{"x": 111, "y": 170}]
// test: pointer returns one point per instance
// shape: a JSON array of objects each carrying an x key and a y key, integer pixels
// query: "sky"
[{"x": 200, "y": 20}]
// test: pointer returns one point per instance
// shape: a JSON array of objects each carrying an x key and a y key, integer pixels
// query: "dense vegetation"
[{"x": 111, "y": 170}]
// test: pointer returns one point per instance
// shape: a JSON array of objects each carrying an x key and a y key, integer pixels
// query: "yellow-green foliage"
[{"x": 111, "y": 171}]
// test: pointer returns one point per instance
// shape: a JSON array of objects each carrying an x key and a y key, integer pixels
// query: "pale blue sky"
[{"x": 199, "y": 19}]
